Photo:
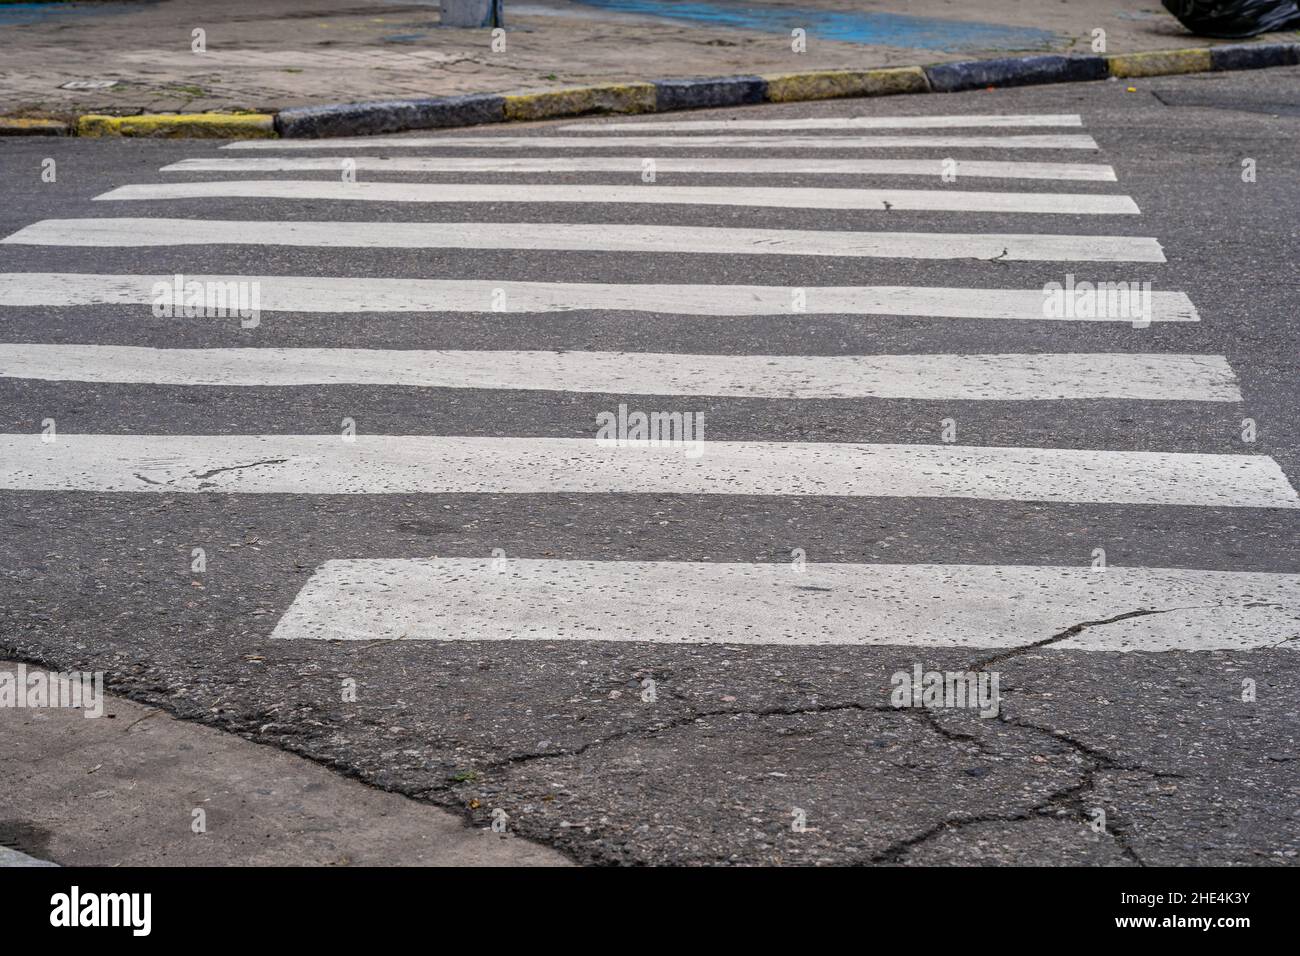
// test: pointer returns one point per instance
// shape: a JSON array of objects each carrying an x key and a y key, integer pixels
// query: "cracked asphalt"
[{"x": 739, "y": 738}]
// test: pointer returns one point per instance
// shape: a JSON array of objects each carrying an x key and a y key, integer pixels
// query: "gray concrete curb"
[
  {"x": 704, "y": 92},
  {"x": 390, "y": 116},
  {"x": 1015, "y": 71},
  {"x": 1254, "y": 56},
  {"x": 661, "y": 96}
]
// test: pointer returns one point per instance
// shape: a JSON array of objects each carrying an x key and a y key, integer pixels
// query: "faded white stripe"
[
  {"x": 396, "y": 464},
  {"x": 773, "y": 196},
  {"x": 310, "y": 294},
  {"x": 634, "y": 165},
  {"x": 911, "y": 605},
  {"x": 593, "y": 237},
  {"x": 1198, "y": 378},
  {"x": 967, "y": 120},
  {"x": 1052, "y": 141}
]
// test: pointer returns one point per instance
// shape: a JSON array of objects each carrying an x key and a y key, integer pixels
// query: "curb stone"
[
  {"x": 660, "y": 96},
  {"x": 577, "y": 100},
  {"x": 22, "y": 126},
  {"x": 709, "y": 91},
  {"x": 1254, "y": 56},
  {"x": 390, "y": 116},
  {"x": 175, "y": 125},
  {"x": 1015, "y": 71},
  {"x": 1160, "y": 63},
  {"x": 830, "y": 84}
]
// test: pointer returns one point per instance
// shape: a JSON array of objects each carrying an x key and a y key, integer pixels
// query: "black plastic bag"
[{"x": 1235, "y": 18}]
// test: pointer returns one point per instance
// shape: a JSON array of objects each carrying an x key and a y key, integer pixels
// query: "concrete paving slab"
[
  {"x": 265, "y": 55},
  {"x": 137, "y": 787}
]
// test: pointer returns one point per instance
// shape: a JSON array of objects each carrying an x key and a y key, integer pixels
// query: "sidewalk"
[
  {"x": 265, "y": 55},
  {"x": 125, "y": 788}
]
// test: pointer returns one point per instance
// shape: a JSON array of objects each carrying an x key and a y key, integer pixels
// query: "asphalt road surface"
[{"x": 685, "y": 654}]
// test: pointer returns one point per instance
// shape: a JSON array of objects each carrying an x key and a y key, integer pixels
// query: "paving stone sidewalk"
[{"x": 267, "y": 55}]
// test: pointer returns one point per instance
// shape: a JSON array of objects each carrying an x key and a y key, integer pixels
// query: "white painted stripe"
[
  {"x": 863, "y": 605},
  {"x": 788, "y": 124},
  {"x": 1196, "y": 378},
  {"x": 1048, "y": 141},
  {"x": 325, "y": 294},
  {"x": 769, "y": 196},
  {"x": 592, "y": 237},
  {"x": 400, "y": 464},
  {"x": 632, "y": 165}
]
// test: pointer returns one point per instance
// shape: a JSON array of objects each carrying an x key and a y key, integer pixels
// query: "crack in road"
[
  {"x": 1069, "y": 801},
  {"x": 1069, "y": 798},
  {"x": 1107, "y": 761},
  {"x": 254, "y": 464},
  {"x": 1098, "y": 760},
  {"x": 683, "y": 721},
  {"x": 1071, "y": 631},
  {"x": 1076, "y": 629}
]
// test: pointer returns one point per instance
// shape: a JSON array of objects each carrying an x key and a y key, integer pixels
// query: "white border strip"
[
  {"x": 1107, "y": 375},
  {"x": 410, "y": 464},
  {"x": 790, "y": 124},
  {"x": 1053, "y": 141},
  {"x": 327, "y": 294},
  {"x": 807, "y": 197},
  {"x": 859, "y": 605},
  {"x": 636, "y": 166},
  {"x": 587, "y": 237}
]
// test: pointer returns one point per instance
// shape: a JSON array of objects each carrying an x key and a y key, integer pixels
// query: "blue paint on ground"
[{"x": 879, "y": 29}]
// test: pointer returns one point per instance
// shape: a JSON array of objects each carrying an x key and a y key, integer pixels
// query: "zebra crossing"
[
  {"x": 976, "y": 169},
  {"x": 575, "y": 237},
  {"x": 1031, "y": 141},
  {"x": 908, "y": 605},
  {"x": 417, "y": 464},
  {"x": 318, "y": 204},
  {"x": 953, "y": 377},
  {"x": 882, "y": 200},
  {"x": 307, "y": 294}
]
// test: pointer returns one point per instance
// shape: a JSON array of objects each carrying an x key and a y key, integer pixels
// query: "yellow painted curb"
[
  {"x": 178, "y": 125},
  {"x": 1159, "y": 62},
  {"x": 828, "y": 84},
  {"x": 27, "y": 126},
  {"x": 613, "y": 98}
]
